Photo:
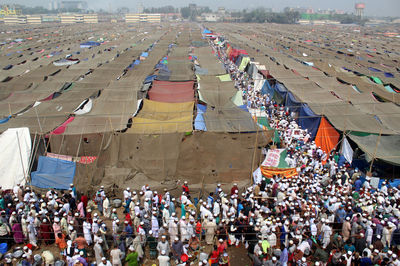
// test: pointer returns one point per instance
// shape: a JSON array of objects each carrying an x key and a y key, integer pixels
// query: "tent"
[
  {"x": 15, "y": 144},
  {"x": 385, "y": 148}
]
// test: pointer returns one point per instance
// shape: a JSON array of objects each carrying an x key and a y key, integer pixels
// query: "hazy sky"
[{"x": 373, "y": 7}]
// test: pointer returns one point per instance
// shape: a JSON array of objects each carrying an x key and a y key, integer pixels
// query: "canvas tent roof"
[
  {"x": 385, "y": 148},
  {"x": 158, "y": 117}
]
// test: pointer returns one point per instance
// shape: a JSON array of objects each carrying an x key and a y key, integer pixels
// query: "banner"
[
  {"x": 275, "y": 158},
  {"x": 269, "y": 172}
]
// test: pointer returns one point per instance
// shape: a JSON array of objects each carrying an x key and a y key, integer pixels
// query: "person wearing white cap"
[
  {"x": 105, "y": 262},
  {"x": 154, "y": 225},
  {"x": 98, "y": 250},
  {"x": 127, "y": 194},
  {"x": 106, "y": 207},
  {"x": 163, "y": 259},
  {"x": 172, "y": 229},
  {"x": 177, "y": 249},
  {"x": 163, "y": 245},
  {"x": 87, "y": 231},
  {"x": 210, "y": 227},
  {"x": 132, "y": 257},
  {"x": 346, "y": 229},
  {"x": 183, "y": 229},
  {"x": 326, "y": 231}
]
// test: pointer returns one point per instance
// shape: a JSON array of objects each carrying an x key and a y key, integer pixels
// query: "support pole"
[{"x": 376, "y": 149}]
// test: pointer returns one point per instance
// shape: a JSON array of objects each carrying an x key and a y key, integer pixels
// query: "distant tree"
[{"x": 185, "y": 12}]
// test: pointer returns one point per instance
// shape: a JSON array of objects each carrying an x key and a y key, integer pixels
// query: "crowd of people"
[{"x": 327, "y": 215}]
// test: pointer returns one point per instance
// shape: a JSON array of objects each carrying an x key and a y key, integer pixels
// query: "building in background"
[
  {"x": 34, "y": 19},
  {"x": 90, "y": 18},
  {"x": 135, "y": 18},
  {"x": 14, "y": 20}
]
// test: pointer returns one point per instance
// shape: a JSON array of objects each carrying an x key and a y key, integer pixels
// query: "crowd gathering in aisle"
[{"x": 327, "y": 215}]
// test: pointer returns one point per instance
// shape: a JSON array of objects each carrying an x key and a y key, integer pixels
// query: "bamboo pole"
[
  {"x": 20, "y": 155},
  {"x": 254, "y": 157},
  {"x": 376, "y": 149}
]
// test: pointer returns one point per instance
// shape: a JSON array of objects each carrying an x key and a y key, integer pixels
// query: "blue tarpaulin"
[
  {"x": 389, "y": 75},
  {"x": 267, "y": 89},
  {"x": 199, "y": 123},
  {"x": 150, "y": 79},
  {"x": 145, "y": 54},
  {"x": 89, "y": 44},
  {"x": 243, "y": 107},
  {"x": 309, "y": 120},
  {"x": 53, "y": 173},
  {"x": 5, "y": 120},
  {"x": 292, "y": 103},
  {"x": 205, "y": 31},
  {"x": 280, "y": 93}
]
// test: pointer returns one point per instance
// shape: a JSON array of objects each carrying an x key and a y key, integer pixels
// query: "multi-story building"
[
  {"x": 34, "y": 19},
  {"x": 143, "y": 17}
]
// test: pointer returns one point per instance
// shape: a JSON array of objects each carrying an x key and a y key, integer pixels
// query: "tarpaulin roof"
[
  {"x": 385, "y": 148},
  {"x": 158, "y": 117},
  {"x": 346, "y": 117},
  {"x": 229, "y": 118},
  {"x": 172, "y": 92}
]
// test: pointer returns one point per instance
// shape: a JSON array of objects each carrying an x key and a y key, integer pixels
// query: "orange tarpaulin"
[
  {"x": 271, "y": 171},
  {"x": 327, "y": 137}
]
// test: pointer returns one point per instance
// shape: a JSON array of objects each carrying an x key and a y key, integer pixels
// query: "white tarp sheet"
[{"x": 15, "y": 145}]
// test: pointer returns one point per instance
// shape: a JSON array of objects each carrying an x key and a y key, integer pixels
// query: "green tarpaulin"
[{"x": 264, "y": 122}]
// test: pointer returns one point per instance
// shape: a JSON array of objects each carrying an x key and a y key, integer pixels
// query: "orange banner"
[{"x": 269, "y": 172}]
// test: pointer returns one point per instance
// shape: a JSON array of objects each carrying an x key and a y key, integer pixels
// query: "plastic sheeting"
[
  {"x": 84, "y": 108},
  {"x": 199, "y": 123},
  {"x": 237, "y": 99},
  {"x": 292, "y": 103},
  {"x": 53, "y": 173},
  {"x": 309, "y": 120},
  {"x": 15, "y": 144},
  {"x": 327, "y": 137}
]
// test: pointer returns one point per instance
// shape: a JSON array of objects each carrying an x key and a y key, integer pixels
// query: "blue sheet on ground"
[{"x": 53, "y": 173}]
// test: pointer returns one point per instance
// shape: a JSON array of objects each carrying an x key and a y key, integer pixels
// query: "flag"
[
  {"x": 346, "y": 150},
  {"x": 275, "y": 158}
]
